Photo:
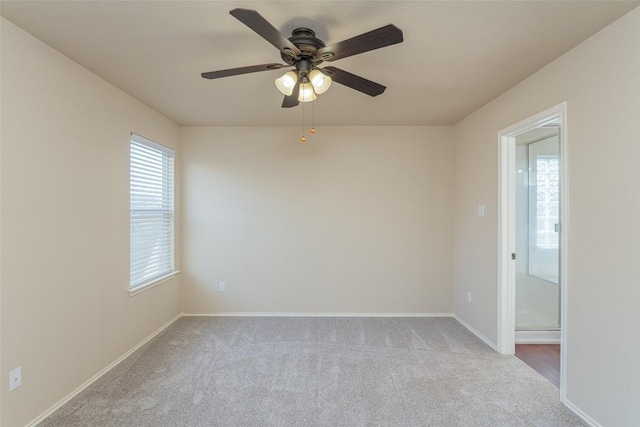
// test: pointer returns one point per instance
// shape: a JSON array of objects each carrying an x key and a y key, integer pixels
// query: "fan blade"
[
  {"x": 292, "y": 100},
  {"x": 257, "y": 23},
  {"x": 354, "y": 82},
  {"x": 242, "y": 70},
  {"x": 381, "y": 37}
]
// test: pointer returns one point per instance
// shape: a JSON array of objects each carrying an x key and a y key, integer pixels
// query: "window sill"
[{"x": 153, "y": 283}]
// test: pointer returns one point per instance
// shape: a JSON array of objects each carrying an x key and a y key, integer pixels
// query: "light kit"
[{"x": 311, "y": 84}]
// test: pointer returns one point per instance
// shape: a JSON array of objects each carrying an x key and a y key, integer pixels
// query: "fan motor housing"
[{"x": 306, "y": 41}]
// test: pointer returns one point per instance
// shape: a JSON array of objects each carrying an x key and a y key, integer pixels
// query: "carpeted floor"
[{"x": 317, "y": 371}]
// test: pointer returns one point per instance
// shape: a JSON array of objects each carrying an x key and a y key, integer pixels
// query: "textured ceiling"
[{"x": 456, "y": 56}]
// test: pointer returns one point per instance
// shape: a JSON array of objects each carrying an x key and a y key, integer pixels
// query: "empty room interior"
[{"x": 432, "y": 218}]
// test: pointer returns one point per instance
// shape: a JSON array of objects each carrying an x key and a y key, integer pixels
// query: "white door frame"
[{"x": 507, "y": 241}]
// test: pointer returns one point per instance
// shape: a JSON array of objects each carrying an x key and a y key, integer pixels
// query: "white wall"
[
  {"x": 66, "y": 313},
  {"x": 599, "y": 80},
  {"x": 357, "y": 220}
]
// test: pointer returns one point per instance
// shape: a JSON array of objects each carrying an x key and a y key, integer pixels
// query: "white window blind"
[{"x": 151, "y": 211}]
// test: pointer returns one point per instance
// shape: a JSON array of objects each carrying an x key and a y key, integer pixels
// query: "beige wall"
[
  {"x": 66, "y": 312},
  {"x": 600, "y": 82},
  {"x": 357, "y": 220}
]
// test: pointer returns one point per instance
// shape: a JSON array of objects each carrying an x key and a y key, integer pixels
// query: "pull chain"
[
  {"x": 313, "y": 118},
  {"x": 303, "y": 139}
]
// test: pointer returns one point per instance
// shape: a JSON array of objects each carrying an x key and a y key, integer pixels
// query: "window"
[
  {"x": 547, "y": 201},
  {"x": 151, "y": 212}
]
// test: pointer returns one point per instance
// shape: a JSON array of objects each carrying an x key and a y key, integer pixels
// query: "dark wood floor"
[{"x": 544, "y": 358}]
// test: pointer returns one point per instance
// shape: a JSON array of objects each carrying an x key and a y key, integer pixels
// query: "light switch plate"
[
  {"x": 15, "y": 378},
  {"x": 480, "y": 210}
]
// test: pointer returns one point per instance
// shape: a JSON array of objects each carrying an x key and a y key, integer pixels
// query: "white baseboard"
[
  {"x": 287, "y": 314},
  {"x": 578, "y": 412},
  {"x": 476, "y": 333},
  {"x": 94, "y": 378},
  {"x": 538, "y": 337}
]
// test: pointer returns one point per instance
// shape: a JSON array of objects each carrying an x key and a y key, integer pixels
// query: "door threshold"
[{"x": 538, "y": 337}]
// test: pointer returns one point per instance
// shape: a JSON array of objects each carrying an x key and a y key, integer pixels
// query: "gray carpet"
[{"x": 317, "y": 371}]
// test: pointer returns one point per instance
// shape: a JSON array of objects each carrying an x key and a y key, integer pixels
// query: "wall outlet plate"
[{"x": 15, "y": 378}]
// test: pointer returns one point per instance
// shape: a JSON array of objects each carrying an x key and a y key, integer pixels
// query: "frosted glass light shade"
[
  {"x": 306, "y": 93},
  {"x": 320, "y": 81},
  {"x": 287, "y": 82}
]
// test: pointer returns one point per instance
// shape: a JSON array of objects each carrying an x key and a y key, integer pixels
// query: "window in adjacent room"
[
  {"x": 547, "y": 201},
  {"x": 151, "y": 213}
]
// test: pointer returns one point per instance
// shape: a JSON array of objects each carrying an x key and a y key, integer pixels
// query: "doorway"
[
  {"x": 537, "y": 217},
  {"x": 533, "y": 234}
]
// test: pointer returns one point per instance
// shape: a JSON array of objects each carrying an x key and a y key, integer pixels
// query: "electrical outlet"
[
  {"x": 469, "y": 297},
  {"x": 223, "y": 287},
  {"x": 15, "y": 378}
]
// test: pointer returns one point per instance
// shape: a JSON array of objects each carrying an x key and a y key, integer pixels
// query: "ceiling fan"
[{"x": 304, "y": 51}]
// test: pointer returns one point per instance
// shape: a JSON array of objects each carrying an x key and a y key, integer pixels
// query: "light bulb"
[
  {"x": 306, "y": 93},
  {"x": 287, "y": 82},
  {"x": 320, "y": 81}
]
